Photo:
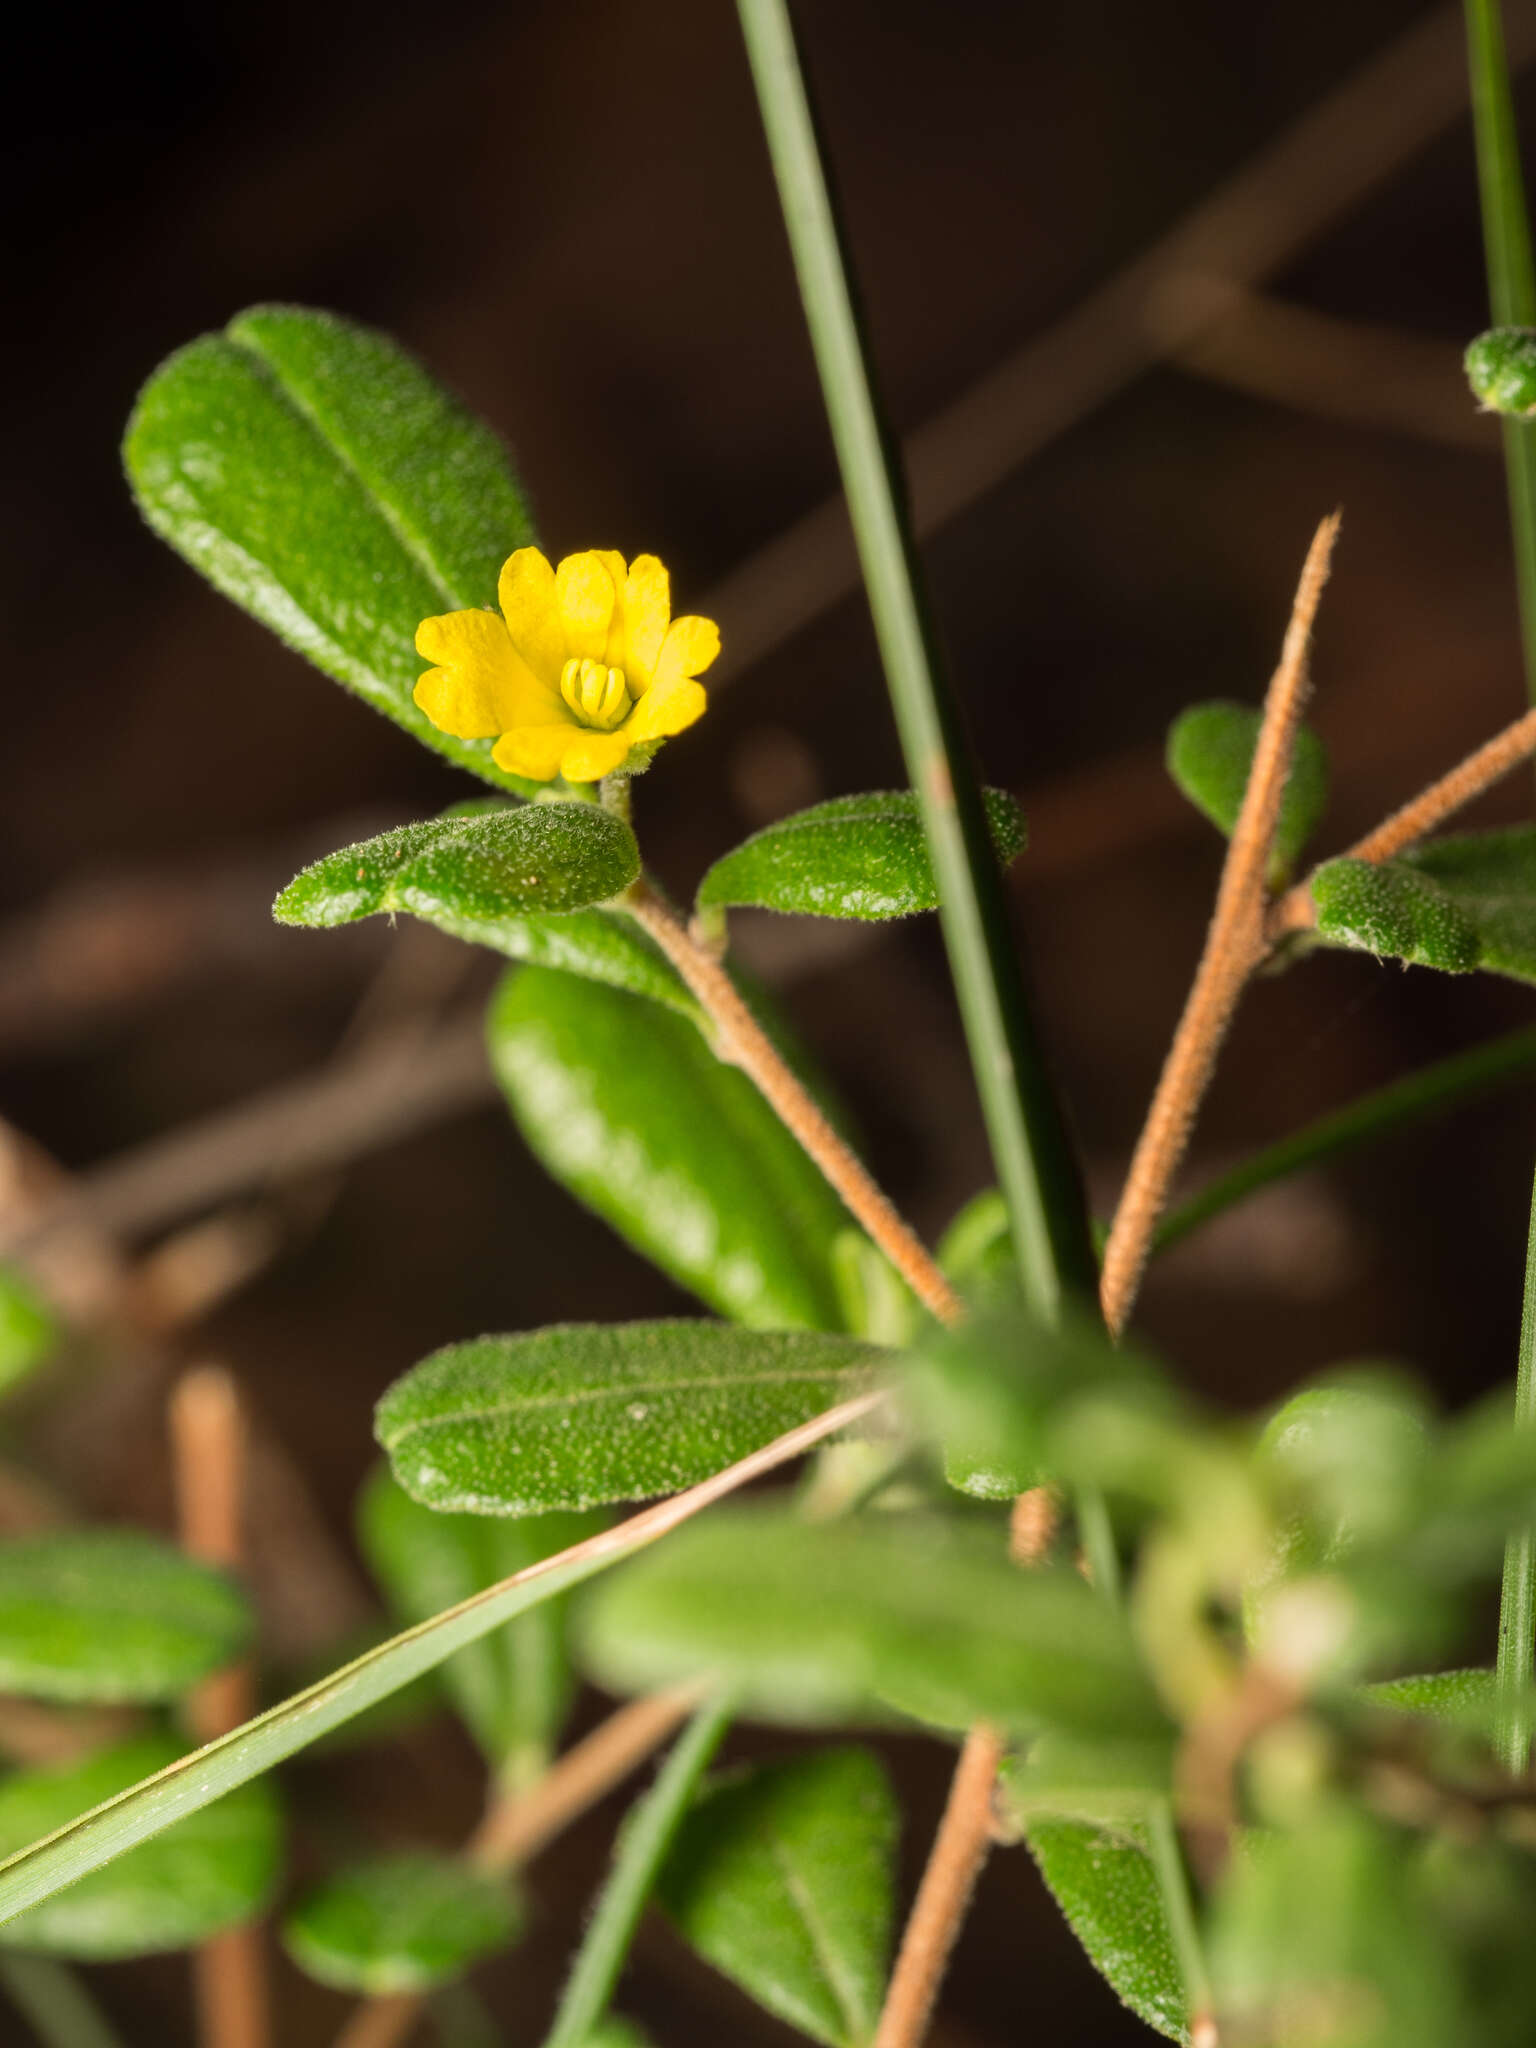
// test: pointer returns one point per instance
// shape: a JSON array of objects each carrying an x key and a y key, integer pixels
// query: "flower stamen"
[{"x": 596, "y": 695}]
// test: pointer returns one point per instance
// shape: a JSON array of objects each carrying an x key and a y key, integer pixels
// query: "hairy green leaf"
[
  {"x": 599, "y": 945},
  {"x": 1501, "y": 370},
  {"x": 29, "y": 1330},
  {"x": 512, "y": 1688},
  {"x": 916, "y": 1613},
  {"x": 628, "y": 1108},
  {"x": 585, "y": 1413},
  {"x": 857, "y": 857},
  {"x": 1458, "y": 903},
  {"x": 112, "y": 1614},
  {"x": 782, "y": 1877},
  {"x": 1103, "y": 1881},
  {"x": 211, "y": 1870},
  {"x": 399, "y": 1923},
  {"x": 1467, "y": 1698},
  {"x": 467, "y": 874},
  {"x": 1210, "y": 751},
  {"x": 315, "y": 473}
]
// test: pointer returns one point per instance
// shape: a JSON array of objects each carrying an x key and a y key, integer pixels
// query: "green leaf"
[
  {"x": 782, "y": 1877},
  {"x": 1460, "y": 1699},
  {"x": 976, "y": 1251},
  {"x": 467, "y": 874},
  {"x": 29, "y": 1330},
  {"x": 1210, "y": 751},
  {"x": 628, "y": 1108},
  {"x": 915, "y": 1613},
  {"x": 857, "y": 856},
  {"x": 112, "y": 1615},
  {"x": 599, "y": 945},
  {"x": 1103, "y": 1881},
  {"x": 1107, "y": 1782},
  {"x": 209, "y": 1871},
  {"x": 315, "y": 473},
  {"x": 512, "y": 1688},
  {"x": 1458, "y": 903},
  {"x": 616, "y": 2033},
  {"x": 1501, "y": 369},
  {"x": 585, "y": 1413},
  {"x": 399, "y": 1923}
]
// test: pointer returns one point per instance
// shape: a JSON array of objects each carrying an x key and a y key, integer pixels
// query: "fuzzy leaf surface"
[
  {"x": 598, "y": 945},
  {"x": 582, "y": 1414},
  {"x": 209, "y": 1871},
  {"x": 399, "y": 1923},
  {"x": 468, "y": 874},
  {"x": 915, "y": 1613},
  {"x": 627, "y": 1106},
  {"x": 1457, "y": 904},
  {"x": 855, "y": 857},
  {"x": 1210, "y": 752},
  {"x": 1103, "y": 1881},
  {"x": 513, "y": 1688},
  {"x": 316, "y": 475},
  {"x": 112, "y": 1615},
  {"x": 782, "y": 1876}
]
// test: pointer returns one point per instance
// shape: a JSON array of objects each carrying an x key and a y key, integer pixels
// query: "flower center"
[{"x": 597, "y": 695}]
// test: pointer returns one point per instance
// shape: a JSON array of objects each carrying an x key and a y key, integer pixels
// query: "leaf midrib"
[{"x": 821, "y": 1944}]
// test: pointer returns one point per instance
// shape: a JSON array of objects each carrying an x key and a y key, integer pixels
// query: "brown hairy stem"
[
  {"x": 208, "y": 1446},
  {"x": 1234, "y": 946},
  {"x": 741, "y": 1041},
  {"x": 1431, "y": 807}
]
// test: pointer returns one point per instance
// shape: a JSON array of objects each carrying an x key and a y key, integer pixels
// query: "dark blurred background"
[{"x": 566, "y": 211}]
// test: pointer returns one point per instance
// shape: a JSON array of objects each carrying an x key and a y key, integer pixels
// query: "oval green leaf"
[
  {"x": 782, "y": 1877},
  {"x": 598, "y": 945},
  {"x": 1458, "y": 903},
  {"x": 112, "y": 1615},
  {"x": 627, "y": 1107},
  {"x": 582, "y": 1414},
  {"x": 914, "y": 1613},
  {"x": 512, "y": 1688},
  {"x": 316, "y": 475},
  {"x": 1210, "y": 751},
  {"x": 211, "y": 1870},
  {"x": 467, "y": 874},
  {"x": 400, "y": 1923},
  {"x": 856, "y": 857},
  {"x": 1104, "y": 1883}
]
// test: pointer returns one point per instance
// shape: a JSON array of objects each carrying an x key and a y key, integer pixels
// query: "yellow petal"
[
  {"x": 534, "y": 750},
  {"x": 474, "y": 692},
  {"x": 585, "y": 594},
  {"x": 589, "y": 756},
  {"x": 666, "y": 708},
  {"x": 690, "y": 646},
  {"x": 647, "y": 608},
  {"x": 526, "y": 594}
]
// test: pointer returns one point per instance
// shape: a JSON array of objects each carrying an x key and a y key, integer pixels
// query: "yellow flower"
[{"x": 583, "y": 663}]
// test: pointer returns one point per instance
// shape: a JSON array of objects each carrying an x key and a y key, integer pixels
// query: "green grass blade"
[
  {"x": 1037, "y": 1169},
  {"x": 1517, "y": 1595},
  {"x": 643, "y": 1846},
  {"x": 1511, "y": 277},
  {"x": 1447, "y": 1084}
]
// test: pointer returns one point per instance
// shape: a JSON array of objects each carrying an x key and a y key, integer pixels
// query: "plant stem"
[
  {"x": 1461, "y": 1078},
  {"x": 1036, "y": 1166},
  {"x": 1183, "y": 1930},
  {"x": 1517, "y": 1595},
  {"x": 742, "y": 1040},
  {"x": 1234, "y": 946},
  {"x": 1511, "y": 278},
  {"x": 647, "y": 1837},
  {"x": 57, "y": 2006}
]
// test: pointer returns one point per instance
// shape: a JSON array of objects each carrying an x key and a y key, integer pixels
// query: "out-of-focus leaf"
[
  {"x": 617, "y": 2033},
  {"x": 315, "y": 473},
  {"x": 1456, "y": 904},
  {"x": 1210, "y": 751},
  {"x": 1103, "y": 1881},
  {"x": 582, "y": 1414},
  {"x": 917, "y": 1613},
  {"x": 112, "y": 1614},
  {"x": 782, "y": 1877},
  {"x": 626, "y": 1106},
  {"x": 209, "y": 1871},
  {"x": 976, "y": 1251},
  {"x": 857, "y": 857},
  {"x": 1106, "y": 1782},
  {"x": 877, "y": 1303},
  {"x": 1460, "y": 1699},
  {"x": 399, "y": 1923},
  {"x": 29, "y": 1330},
  {"x": 513, "y": 1688},
  {"x": 467, "y": 875}
]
